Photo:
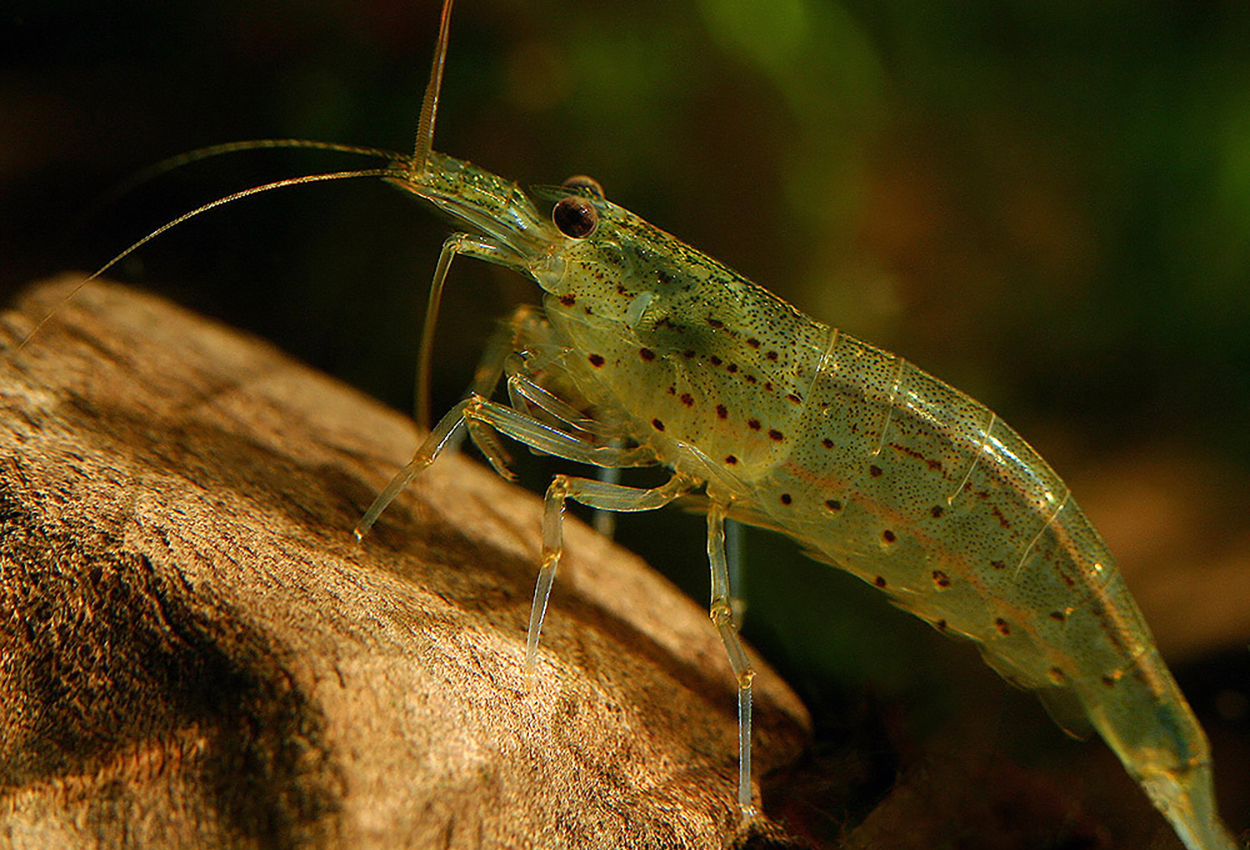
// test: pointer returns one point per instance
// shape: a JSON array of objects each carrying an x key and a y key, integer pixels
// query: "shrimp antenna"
[
  {"x": 429, "y": 105},
  {"x": 174, "y": 163},
  {"x": 219, "y": 202}
]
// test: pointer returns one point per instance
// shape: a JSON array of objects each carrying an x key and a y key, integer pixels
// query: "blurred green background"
[{"x": 1045, "y": 203}]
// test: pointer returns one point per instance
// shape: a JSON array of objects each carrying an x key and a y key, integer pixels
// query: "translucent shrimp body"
[{"x": 874, "y": 465}]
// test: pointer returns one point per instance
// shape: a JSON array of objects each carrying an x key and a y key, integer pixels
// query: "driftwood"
[{"x": 194, "y": 652}]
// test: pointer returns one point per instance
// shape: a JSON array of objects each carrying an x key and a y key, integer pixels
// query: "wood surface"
[{"x": 195, "y": 652}]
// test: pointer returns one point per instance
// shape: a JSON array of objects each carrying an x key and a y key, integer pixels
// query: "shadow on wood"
[{"x": 194, "y": 652}]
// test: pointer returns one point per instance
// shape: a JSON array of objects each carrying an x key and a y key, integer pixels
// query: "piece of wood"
[{"x": 194, "y": 652}]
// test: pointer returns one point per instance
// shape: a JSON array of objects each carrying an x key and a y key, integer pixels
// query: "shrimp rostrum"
[{"x": 648, "y": 352}]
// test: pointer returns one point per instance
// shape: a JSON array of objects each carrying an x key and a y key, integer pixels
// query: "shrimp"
[
  {"x": 647, "y": 352},
  {"x": 650, "y": 352}
]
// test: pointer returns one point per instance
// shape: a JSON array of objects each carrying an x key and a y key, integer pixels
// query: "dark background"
[{"x": 1045, "y": 203}]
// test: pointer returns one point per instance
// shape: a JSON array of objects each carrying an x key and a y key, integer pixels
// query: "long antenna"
[
  {"x": 200, "y": 210},
  {"x": 174, "y": 163},
  {"x": 429, "y": 106}
]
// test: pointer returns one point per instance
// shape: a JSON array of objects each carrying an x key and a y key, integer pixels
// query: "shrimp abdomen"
[{"x": 922, "y": 491}]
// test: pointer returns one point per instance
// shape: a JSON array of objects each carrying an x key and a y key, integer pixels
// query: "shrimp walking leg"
[
  {"x": 733, "y": 556},
  {"x": 524, "y": 326},
  {"x": 482, "y": 419},
  {"x": 600, "y": 495},
  {"x": 523, "y": 391},
  {"x": 722, "y": 612},
  {"x": 551, "y": 441},
  {"x": 500, "y": 417},
  {"x": 605, "y": 521},
  {"x": 444, "y": 432}
]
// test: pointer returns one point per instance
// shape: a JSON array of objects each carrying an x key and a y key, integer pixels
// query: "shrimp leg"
[
  {"x": 470, "y": 245},
  {"x": 734, "y": 534},
  {"x": 605, "y": 521},
  {"x": 526, "y": 326},
  {"x": 722, "y": 612},
  {"x": 522, "y": 391},
  {"x": 608, "y": 496},
  {"x": 601, "y": 495},
  {"x": 537, "y": 435},
  {"x": 444, "y": 432}
]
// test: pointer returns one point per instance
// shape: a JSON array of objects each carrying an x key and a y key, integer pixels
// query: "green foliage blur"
[{"x": 1045, "y": 203}]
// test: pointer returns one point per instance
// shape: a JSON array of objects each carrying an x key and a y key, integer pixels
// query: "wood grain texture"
[{"x": 194, "y": 652}]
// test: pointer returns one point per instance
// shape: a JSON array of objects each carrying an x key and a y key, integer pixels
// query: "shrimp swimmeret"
[{"x": 648, "y": 352}]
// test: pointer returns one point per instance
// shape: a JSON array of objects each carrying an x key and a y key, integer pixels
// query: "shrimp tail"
[
  {"x": 1187, "y": 800},
  {"x": 1144, "y": 718}
]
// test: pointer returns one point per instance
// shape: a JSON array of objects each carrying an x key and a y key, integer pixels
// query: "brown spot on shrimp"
[
  {"x": 754, "y": 424},
  {"x": 888, "y": 536},
  {"x": 687, "y": 399},
  {"x": 596, "y": 360},
  {"x": 907, "y": 450},
  {"x": 941, "y": 579},
  {"x": 775, "y": 435},
  {"x": 646, "y": 354},
  {"x": 1003, "y": 627},
  {"x": 833, "y": 505},
  {"x": 657, "y": 424},
  {"x": 879, "y": 581},
  {"x": 874, "y": 471},
  {"x": 722, "y": 411},
  {"x": 786, "y": 498}
]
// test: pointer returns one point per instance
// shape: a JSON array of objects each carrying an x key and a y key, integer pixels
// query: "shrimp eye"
[
  {"x": 588, "y": 184},
  {"x": 576, "y": 217}
]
